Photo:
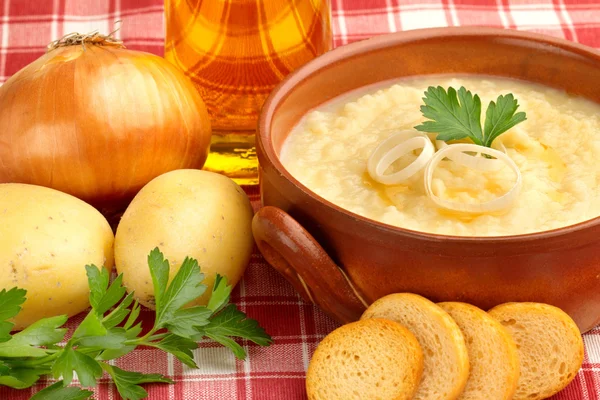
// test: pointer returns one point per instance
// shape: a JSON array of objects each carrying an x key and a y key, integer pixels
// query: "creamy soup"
[{"x": 557, "y": 150}]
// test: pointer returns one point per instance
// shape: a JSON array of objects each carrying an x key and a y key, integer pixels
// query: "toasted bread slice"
[
  {"x": 492, "y": 351},
  {"x": 446, "y": 361},
  {"x": 374, "y": 359},
  {"x": 549, "y": 344}
]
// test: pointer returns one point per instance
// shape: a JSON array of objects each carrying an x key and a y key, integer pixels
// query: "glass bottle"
[{"x": 235, "y": 52}]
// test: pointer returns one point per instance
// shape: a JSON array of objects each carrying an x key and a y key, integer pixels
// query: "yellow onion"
[{"x": 98, "y": 121}]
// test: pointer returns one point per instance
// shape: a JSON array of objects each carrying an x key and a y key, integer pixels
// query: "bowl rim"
[{"x": 280, "y": 92}]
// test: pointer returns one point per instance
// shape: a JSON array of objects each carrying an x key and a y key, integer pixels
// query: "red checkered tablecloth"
[{"x": 277, "y": 372}]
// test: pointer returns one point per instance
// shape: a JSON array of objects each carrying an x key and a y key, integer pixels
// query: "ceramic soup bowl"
[{"x": 343, "y": 261}]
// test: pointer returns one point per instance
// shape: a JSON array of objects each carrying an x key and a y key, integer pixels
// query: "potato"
[
  {"x": 192, "y": 213},
  {"x": 46, "y": 239}
]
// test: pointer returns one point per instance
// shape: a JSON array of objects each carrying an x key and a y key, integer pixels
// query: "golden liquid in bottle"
[{"x": 236, "y": 52}]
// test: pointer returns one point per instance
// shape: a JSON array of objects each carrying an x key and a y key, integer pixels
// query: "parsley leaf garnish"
[
  {"x": 457, "y": 115},
  {"x": 220, "y": 294},
  {"x": 60, "y": 392},
  {"x": 69, "y": 360},
  {"x": 185, "y": 287},
  {"x": 111, "y": 329},
  {"x": 180, "y": 347},
  {"x": 10, "y": 305},
  {"x": 231, "y": 322},
  {"x": 500, "y": 117},
  {"x": 128, "y": 382}
]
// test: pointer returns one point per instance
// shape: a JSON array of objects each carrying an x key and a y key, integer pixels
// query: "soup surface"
[{"x": 557, "y": 150}]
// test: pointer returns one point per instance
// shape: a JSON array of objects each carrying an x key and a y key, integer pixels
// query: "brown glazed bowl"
[{"x": 343, "y": 262}]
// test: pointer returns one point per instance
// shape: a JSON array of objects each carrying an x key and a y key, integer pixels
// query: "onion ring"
[
  {"x": 474, "y": 162},
  {"x": 392, "y": 149},
  {"x": 450, "y": 152}
]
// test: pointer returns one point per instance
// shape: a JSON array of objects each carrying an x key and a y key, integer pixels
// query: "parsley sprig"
[
  {"x": 111, "y": 329},
  {"x": 455, "y": 116}
]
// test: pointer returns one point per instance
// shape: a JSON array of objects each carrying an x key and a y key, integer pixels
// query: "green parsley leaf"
[
  {"x": 111, "y": 354},
  {"x": 10, "y": 305},
  {"x": 69, "y": 360},
  {"x": 133, "y": 316},
  {"x": 4, "y": 369},
  {"x": 118, "y": 315},
  {"x": 134, "y": 331},
  {"x": 220, "y": 294},
  {"x": 452, "y": 120},
  {"x": 500, "y": 117},
  {"x": 60, "y": 392},
  {"x": 98, "y": 334},
  {"x": 228, "y": 342},
  {"x": 184, "y": 322},
  {"x": 102, "y": 296},
  {"x": 98, "y": 282},
  {"x": 22, "y": 378},
  {"x": 185, "y": 287},
  {"x": 159, "y": 270},
  {"x": 90, "y": 326},
  {"x": 44, "y": 332},
  {"x": 130, "y": 333},
  {"x": 457, "y": 115},
  {"x": 24, "y": 350},
  {"x": 232, "y": 322},
  {"x": 128, "y": 382},
  {"x": 180, "y": 347},
  {"x": 113, "y": 339}
]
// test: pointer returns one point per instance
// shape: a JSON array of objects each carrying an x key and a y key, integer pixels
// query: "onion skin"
[{"x": 100, "y": 123}]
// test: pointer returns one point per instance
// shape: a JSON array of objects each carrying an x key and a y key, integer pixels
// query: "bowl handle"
[{"x": 292, "y": 251}]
